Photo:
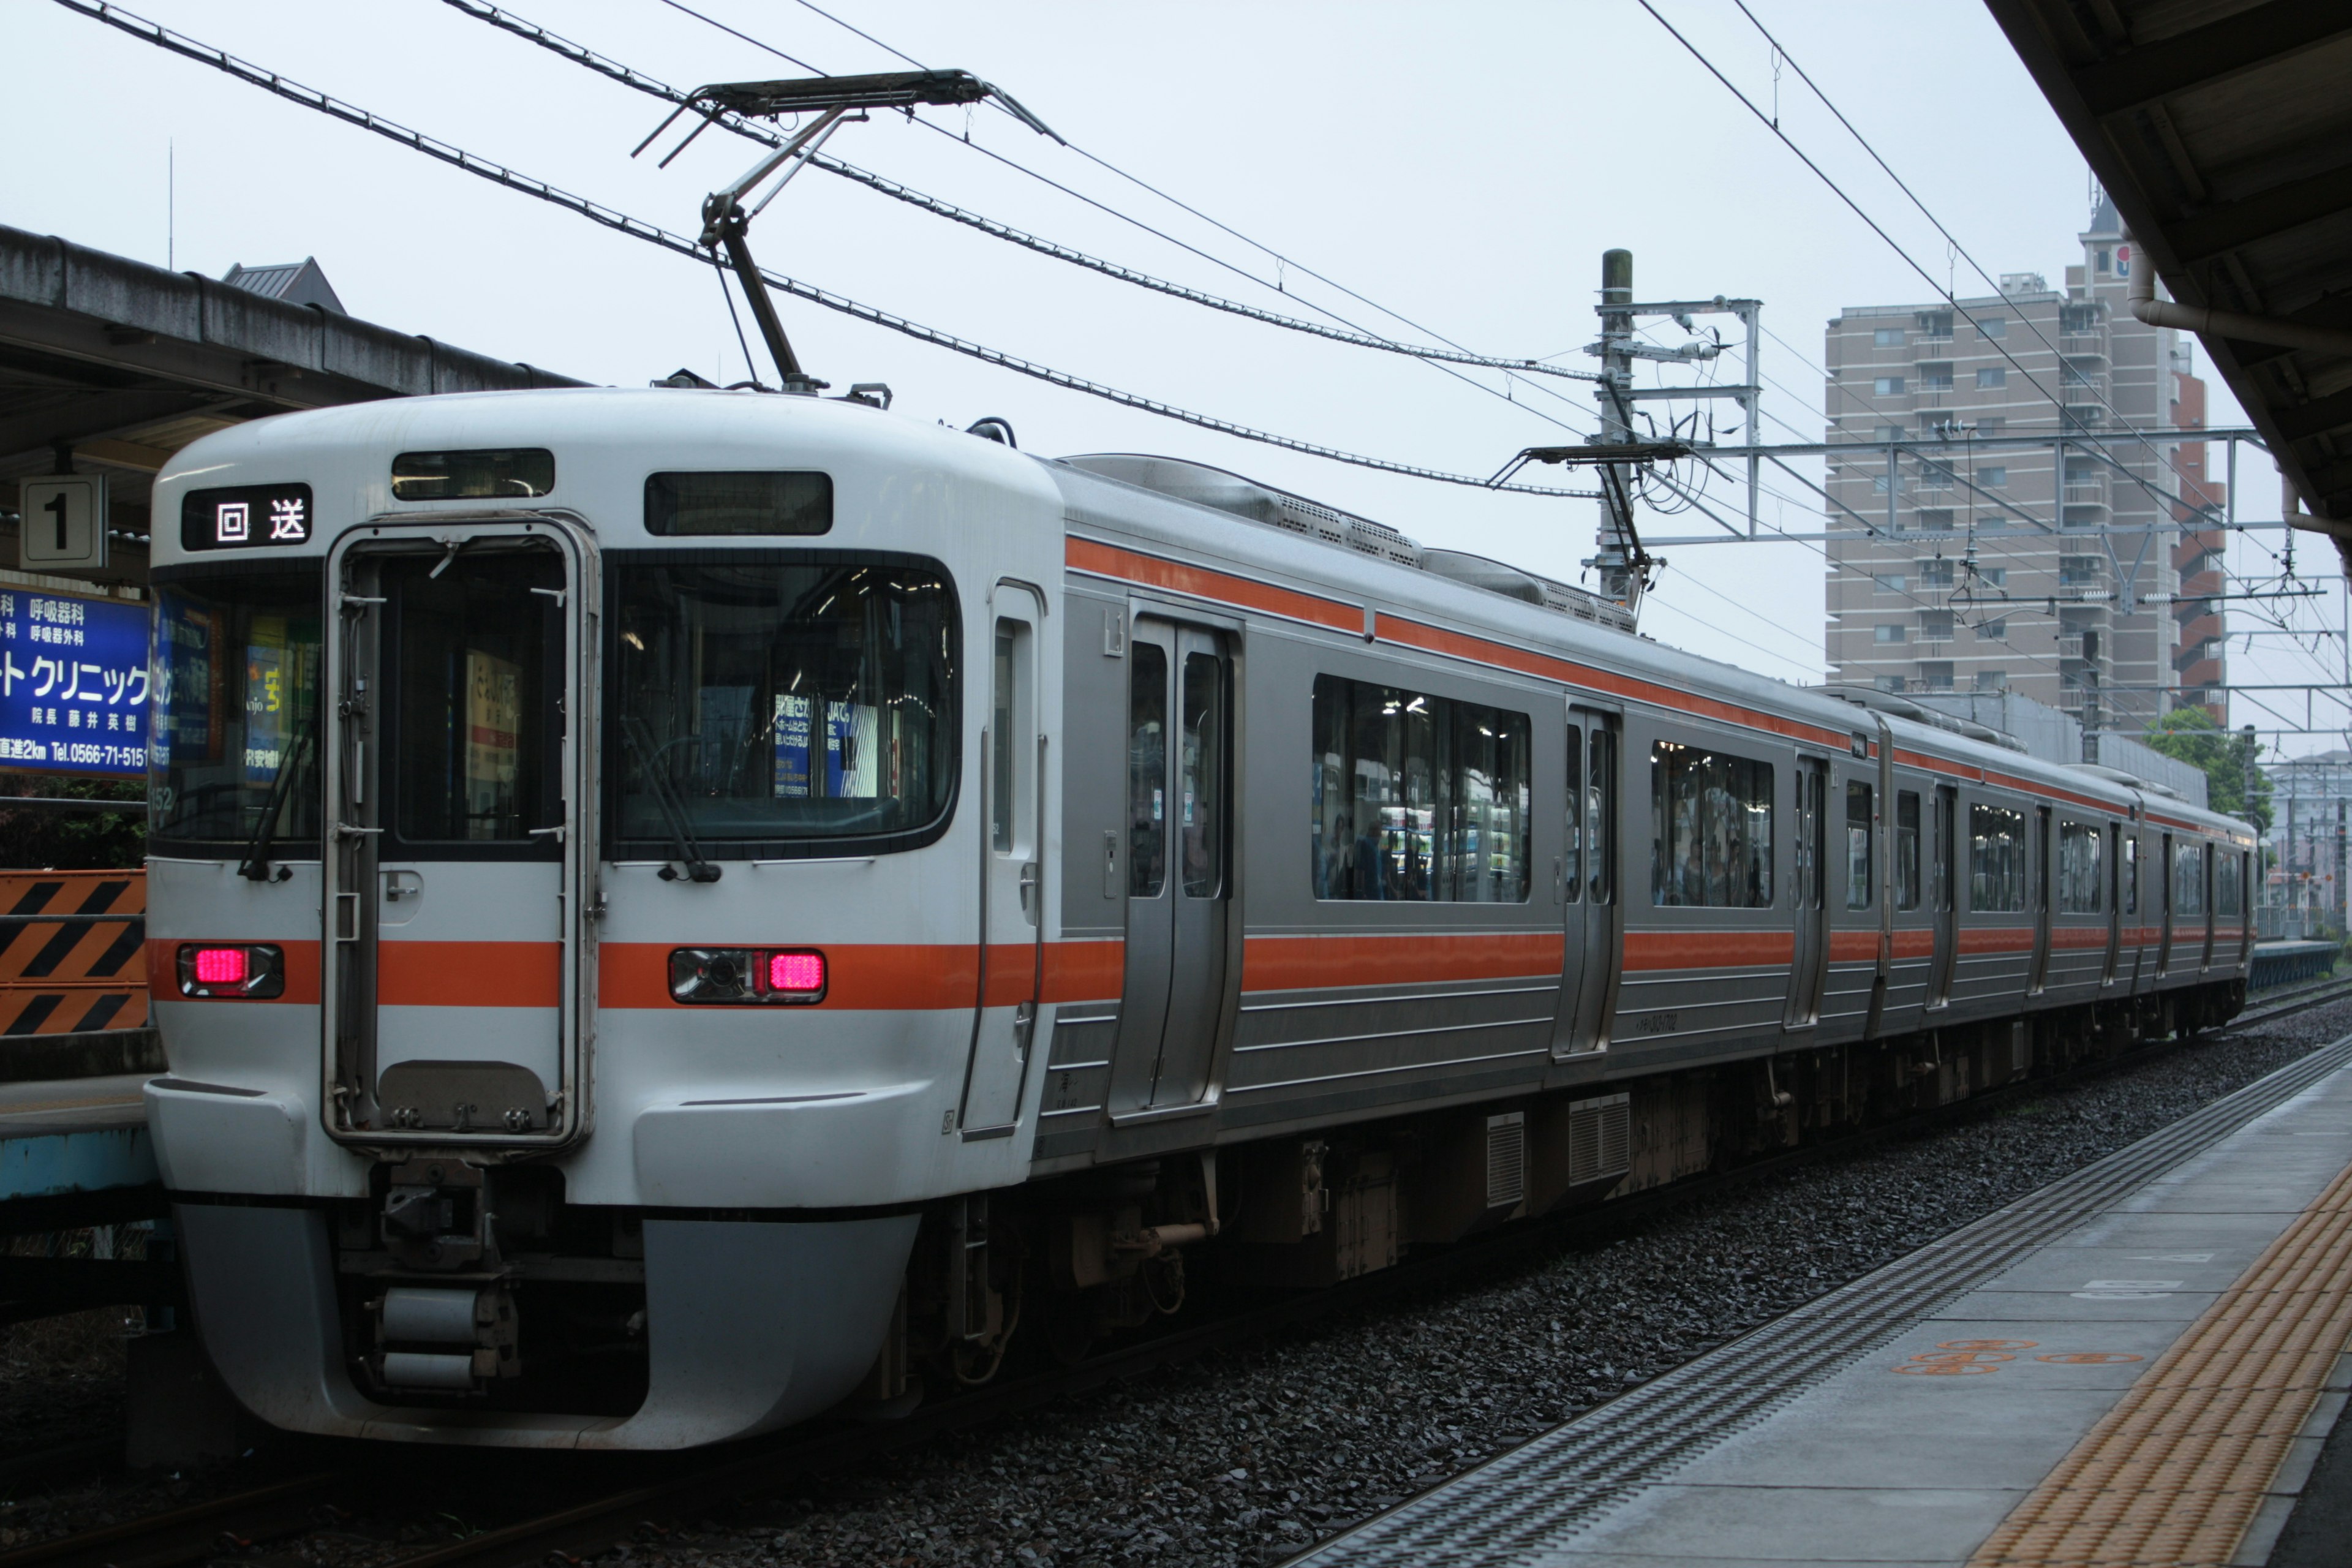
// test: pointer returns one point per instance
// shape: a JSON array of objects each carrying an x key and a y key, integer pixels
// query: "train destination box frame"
[{"x": 74, "y": 678}]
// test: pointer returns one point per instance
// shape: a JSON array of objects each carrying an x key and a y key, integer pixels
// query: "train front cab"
[{"x": 565, "y": 929}]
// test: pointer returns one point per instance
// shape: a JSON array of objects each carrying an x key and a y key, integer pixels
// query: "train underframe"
[{"x": 466, "y": 1303}]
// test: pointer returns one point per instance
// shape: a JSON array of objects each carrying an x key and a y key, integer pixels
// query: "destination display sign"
[
  {"x": 246, "y": 517},
  {"x": 73, "y": 684}
]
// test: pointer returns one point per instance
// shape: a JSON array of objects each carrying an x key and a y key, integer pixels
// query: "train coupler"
[{"x": 447, "y": 1339}]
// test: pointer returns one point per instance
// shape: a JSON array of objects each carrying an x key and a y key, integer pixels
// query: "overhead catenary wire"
[
  {"x": 627, "y": 75},
  {"x": 966, "y": 142},
  {"x": 637, "y": 228},
  {"x": 1961, "y": 250},
  {"x": 1942, "y": 291}
]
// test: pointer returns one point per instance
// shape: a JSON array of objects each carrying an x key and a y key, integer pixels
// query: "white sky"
[{"x": 1463, "y": 165}]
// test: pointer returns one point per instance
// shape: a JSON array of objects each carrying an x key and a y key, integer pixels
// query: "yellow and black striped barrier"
[{"x": 72, "y": 951}]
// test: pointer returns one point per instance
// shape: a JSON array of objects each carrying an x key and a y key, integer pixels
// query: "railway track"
[{"x": 592, "y": 1518}]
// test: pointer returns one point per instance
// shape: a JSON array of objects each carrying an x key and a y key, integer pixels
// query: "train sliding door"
[
  {"x": 1943, "y": 888},
  {"x": 1809, "y": 909},
  {"x": 458, "y": 845},
  {"x": 1588, "y": 884},
  {"x": 2038, "y": 974},
  {"x": 2116, "y": 901},
  {"x": 1179, "y": 864}
]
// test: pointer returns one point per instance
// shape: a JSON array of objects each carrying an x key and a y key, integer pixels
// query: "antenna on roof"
[{"x": 832, "y": 100}]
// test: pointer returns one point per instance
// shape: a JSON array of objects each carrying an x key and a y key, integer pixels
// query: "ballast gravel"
[{"x": 1248, "y": 1455}]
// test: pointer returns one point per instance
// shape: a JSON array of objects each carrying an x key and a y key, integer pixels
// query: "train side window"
[
  {"x": 1147, "y": 768},
  {"x": 1201, "y": 774},
  {"x": 1996, "y": 859},
  {"x": 2080, "y": 867},
  {"x": 1859, "y": 880},
  {"x": 1012, "y": 742},
  {"x": 1601, "y": 819},
  {"x": 1573, "y": 854},
  {"x": 1711, "y": 828},
  {"x": 2188, "y": 880},
  {"x": 1417, "y": 798},
  {"x": 2131, "y": 873},
  {"x": 2228, "y": 869},
  {"x": 1942, "y": 890},
  {"x": 1907, "y": 849}
]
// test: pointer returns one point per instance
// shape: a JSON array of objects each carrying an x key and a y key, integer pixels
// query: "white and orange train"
[{"x": 673, "y": 910}]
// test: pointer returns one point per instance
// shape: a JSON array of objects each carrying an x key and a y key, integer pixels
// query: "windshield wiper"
[
  {"x": 256, "y": 865},
  {"x": 673, "y": 809}
]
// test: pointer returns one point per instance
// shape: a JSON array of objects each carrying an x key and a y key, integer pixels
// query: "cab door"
[
  {"x": 1810, "y": 913},
  {"x": 459, "y": 850},
  {"x": 1179, "y": 864},
  {"x": 1588, "y": 884},
  {"x": 1011, "y": 872}
]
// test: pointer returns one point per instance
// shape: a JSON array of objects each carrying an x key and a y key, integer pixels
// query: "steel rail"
[{"x": 189, "y": 1534}]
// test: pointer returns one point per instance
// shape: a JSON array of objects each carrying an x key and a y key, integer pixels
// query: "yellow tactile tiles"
[{"x": 2173, "y": 1475}]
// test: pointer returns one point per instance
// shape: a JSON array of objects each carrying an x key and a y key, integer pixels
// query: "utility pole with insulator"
[{"x": 1618, "y": 560}]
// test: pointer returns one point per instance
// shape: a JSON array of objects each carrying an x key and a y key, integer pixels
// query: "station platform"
[
  {"x": 75, "y": 1151},
  {"x": 2138, "y": 1364},
  {"x": 2279, "y": 962}
]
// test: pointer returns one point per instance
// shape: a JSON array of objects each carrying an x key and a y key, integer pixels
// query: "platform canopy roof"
[
  {"x": 113, "y": 366},
  {"x": 2222, "y": 130}
]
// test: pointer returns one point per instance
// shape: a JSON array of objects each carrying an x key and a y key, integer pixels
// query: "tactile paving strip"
[
  {"x": 2173, "y": 1475},
  {"x": 1513, "y": 1506}
]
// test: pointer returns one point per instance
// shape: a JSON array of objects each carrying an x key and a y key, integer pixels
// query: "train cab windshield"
[
  {"x": 237, "y": 672},
  {"x": 766, "y": 700}
]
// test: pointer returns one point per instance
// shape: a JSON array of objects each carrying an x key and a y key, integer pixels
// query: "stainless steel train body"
[{"x": 636, "y": 875}]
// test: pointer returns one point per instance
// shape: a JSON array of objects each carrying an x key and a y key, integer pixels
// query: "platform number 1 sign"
[{"x": 63, "y": 522}]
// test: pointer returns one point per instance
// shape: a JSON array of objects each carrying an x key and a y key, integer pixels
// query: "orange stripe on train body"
[
  {"x": 1649, "y": 951},
  {"x": 1316, "y": 962},
  {"x": 468, "y": 974},
  {"x": 1999, "y": 939},
  {"x": 1915, "y": 943},
  {"x": 890, "y": 976},
  {"x": 1203, "y": 582}
]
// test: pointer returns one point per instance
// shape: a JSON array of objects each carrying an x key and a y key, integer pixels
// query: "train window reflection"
[
  {"x": 1859, "y": 881},
  {"x": 2081, "y": 868},
  {"x": 237, "y": 667},
  {"x": 1418, "y": 797},
  {"x": 1996, "y": 859},
  {"x": 759, "y": 701},
  {"x": 1146, "y": 771},
  {"x": 2188, "y": 880},
  {"x": 2229, "y": 882},
  {"x": 1907, "y": 849},
  {"x": 1711, "y": 828},
  {"x": 475, "y": 727},
  {"x": 1203, "y": 778}
]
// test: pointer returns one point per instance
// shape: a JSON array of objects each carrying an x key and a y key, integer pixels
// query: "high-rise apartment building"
[{"x": 2058, "y": 569}]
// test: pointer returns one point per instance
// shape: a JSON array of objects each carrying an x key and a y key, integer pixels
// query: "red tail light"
[
  {"x": 797, "y": 974},
  {"x": 742, "y": 975},
  {"x": 253, "y": 972},
  {"x": 220, "y": 966}
]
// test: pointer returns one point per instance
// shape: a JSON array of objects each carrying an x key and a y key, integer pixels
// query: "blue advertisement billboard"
[{"x": 73, "y": 684}]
